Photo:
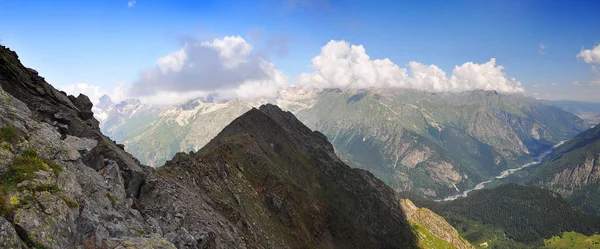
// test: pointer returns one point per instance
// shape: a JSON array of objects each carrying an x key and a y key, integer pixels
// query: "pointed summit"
[{"x": 105, "y": 102}]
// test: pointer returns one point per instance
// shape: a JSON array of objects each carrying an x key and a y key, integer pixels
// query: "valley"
[{"x": 503, "y": 174}]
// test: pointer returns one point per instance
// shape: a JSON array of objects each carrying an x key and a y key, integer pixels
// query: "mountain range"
[{"x": 437, "y": 144}]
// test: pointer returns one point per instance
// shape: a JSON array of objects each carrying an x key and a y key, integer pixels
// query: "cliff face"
[
  {"x": 573, "y": 171},
  {"x": 266, "y": 181}
]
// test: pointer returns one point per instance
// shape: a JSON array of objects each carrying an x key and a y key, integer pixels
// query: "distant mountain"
[
  {"x": 433, "y": 143},
  {"x": 588, "y": 111},
  {"x": 511, "y": 216},
  {"x": 436, "y": 144},
  {"x": 126, "y": 118},
  {"x": 573, "y": 171},
  {"x": 186, "y": 127}
]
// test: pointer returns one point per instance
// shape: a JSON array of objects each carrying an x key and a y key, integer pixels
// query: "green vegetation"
[
  {"x": 512, "y": 216},
  {"x": 428, "y": 240},
  {"x": 9, "y": 134},
  {"x": 573, "y": 240},
  {"x": 23, "y": 168}
]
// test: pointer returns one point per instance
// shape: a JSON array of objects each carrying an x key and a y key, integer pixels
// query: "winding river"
[{"x": 503, "y": 174}]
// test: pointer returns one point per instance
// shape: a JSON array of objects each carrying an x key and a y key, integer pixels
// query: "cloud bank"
[
  {"x": 341, "y": 65},
  {"x": 227, "y": 67}
]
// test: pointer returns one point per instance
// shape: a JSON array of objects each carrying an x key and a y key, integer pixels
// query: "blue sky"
[{"x": 103, "y": 43}]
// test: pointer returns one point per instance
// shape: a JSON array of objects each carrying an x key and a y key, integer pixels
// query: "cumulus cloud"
[
  {"x": 591, "y": 56},
  {"x": 576, "y": 83},
  {"x": 223, "y": 66},
  {"x": 131, "y": 3},
  {"x": 542, "y": 49},
  {"x": 342, "y": 65}
]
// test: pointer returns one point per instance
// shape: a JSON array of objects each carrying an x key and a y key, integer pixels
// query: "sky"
[{"x": 167, "y": 51}]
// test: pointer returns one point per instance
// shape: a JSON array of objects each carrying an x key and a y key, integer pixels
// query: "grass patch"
[
  {"x": 111, "y": 199},
  {"x": 23, "y": 168},
  {"x": 573, "y": 240},
  {"x": 9, "y": 134},
  {"x": 30, "y": 152}
]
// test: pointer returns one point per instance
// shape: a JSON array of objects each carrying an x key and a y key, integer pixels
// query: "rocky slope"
[
  {"x": 281, "y": 185},
  {"x": 63, "y": 182},
  {"x": 573, "y": 171},
  {"x": 433, "y": 230},
  {"x": 266, "y": 181}
]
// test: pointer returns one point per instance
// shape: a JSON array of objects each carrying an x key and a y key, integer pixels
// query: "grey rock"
[{"x": 8, "y": 235}]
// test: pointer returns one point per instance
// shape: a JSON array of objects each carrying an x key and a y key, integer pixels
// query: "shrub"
[{"x": 9, "y": 134}]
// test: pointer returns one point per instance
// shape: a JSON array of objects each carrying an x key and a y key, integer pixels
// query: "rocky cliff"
[{"x": 266, "y": 181}]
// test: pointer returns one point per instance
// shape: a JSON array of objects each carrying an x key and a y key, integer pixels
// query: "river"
[{"x": 503, "y": 174}]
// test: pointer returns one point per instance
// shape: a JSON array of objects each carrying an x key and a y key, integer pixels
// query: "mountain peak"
[
  {"x": 105, "y": 102},
  {"x": 268, "y": 154}
]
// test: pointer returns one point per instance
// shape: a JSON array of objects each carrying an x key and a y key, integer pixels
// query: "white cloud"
[
  {"x": 226, "y": 67},
  {"x": 542, "y": 49},
  {"x": 131, "y": 3},
  {"x": 594, "y": 82},
  {"x": 576, "y": 83},
  {"x": 553, "y": 84},
  {"x": 95, "y": 92},
  {"x": 341, "y": 65},
  {"x": 590, "y": 55}
]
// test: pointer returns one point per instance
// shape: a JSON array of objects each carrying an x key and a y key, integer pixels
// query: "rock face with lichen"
[{"x": 267, "y": 181}]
